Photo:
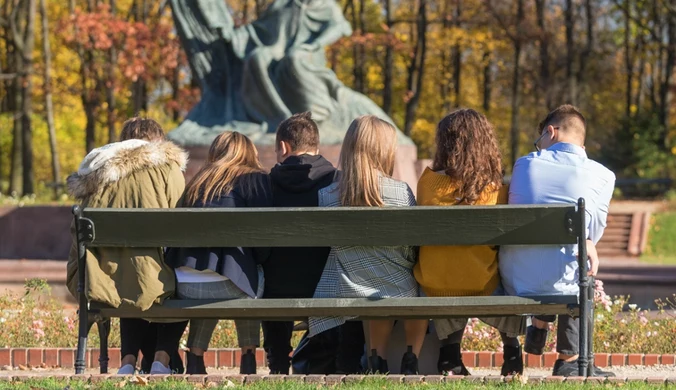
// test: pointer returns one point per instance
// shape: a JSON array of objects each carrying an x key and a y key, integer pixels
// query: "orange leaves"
[{"x": 145, "y": 50}]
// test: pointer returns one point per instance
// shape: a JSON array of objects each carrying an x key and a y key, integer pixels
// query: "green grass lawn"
[
  {"x": 365, "y": 385},
  {"x": 662, "y": 240}
]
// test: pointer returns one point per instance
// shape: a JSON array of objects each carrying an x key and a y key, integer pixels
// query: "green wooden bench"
[{"x": 270, "y": 227}]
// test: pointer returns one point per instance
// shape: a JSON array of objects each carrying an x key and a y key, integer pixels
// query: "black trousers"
[
  {"x": 344, "y": 345},
  {"x": 150, "y": 337},
  {"x": 567, "y": 333}
]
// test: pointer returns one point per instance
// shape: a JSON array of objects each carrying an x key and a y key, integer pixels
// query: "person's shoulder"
[
  {"x": 396, "y": 191},
  {"x": 390, "y": 182},
  {"x": 329, "y": 188},
  {"x": 601, "y": 170}
]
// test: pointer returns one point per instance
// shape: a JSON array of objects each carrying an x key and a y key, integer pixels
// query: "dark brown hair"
[
  {"x": 300, "y": 131},
  {"x": 141, "y": 128},
  {"x": 232, "y": 160},
  {"x": 467, "y": 151},
  {"x": 562, "y": 116}
]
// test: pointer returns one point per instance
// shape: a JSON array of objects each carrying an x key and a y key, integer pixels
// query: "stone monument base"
[{"x": 407, "y": 167}]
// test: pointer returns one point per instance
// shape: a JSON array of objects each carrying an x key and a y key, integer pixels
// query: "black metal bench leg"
[
  {"x": 590, "y": 339},
  {"x": 85, "y": 325},
  {"x": 583, "y": 359},
  {"x": 104, "y": 331}
]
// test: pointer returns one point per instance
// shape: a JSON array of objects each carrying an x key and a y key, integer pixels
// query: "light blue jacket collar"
[{"x": 568, "y": 148}]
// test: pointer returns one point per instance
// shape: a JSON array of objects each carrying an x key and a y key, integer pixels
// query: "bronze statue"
[{"x": 256, "y": 75}]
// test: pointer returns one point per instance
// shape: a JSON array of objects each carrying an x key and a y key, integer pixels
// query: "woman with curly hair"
[{"x": 467, "y": 170}]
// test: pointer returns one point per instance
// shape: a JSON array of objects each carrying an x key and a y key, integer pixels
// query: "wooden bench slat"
[
  {"x": 364, "y": 308},
  {"x": 279, "y": 227}
]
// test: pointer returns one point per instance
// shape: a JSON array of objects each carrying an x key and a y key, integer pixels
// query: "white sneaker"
[
  {"x": 127, "y": 369},
  {"x": 159, "y": 369}
]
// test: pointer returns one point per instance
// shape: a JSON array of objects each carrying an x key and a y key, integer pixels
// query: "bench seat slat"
[
  {"x": 373, "y": 226},
  {"x": 364, "y": 308}
]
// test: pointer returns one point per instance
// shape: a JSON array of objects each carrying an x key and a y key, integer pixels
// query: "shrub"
[{"x": 35, "y": 319}]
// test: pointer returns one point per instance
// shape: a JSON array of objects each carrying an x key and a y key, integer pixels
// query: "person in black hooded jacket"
[{"x": 293, "y": 272}]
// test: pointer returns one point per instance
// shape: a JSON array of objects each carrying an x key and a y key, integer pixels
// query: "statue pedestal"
[{"x": 406, "y": 167}]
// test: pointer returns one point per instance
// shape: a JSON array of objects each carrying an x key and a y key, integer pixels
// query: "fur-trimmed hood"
[{"x": 118, "y": 160}]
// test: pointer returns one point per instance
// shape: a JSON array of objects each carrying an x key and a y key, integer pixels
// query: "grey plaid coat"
[{"x": 365, "y": 271}]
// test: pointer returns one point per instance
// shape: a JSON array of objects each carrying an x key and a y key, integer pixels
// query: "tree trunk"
[
  {"x": 638, "y": 100},
  {"x": 628, "y": 60},
  {"x": 49, "y": 106},
  {"x": 446, "y": 59},
  {"x": 388, "y": 77},
  {"x": 16, "y": 168},
  {"x": 358, "y": 68},
  {"x": 516, "y": 84},
  {"x": 457, "y": 57},
  {"x": 545, "y": 78},
  {"x": 110, "y": 85},
  {"x": 570, "y": 52},
  {"x": 488, "y": 80},
  {"x": 19, "y": 13},
  {"x": 589, "y": 47},
  {"x": 416, "y": 68},
  {"x": 665, "y": 89},
  {"x": 27, "y": 101},
  {"x": 139, "y": 93},
  {"x": 88, "y": 99}
]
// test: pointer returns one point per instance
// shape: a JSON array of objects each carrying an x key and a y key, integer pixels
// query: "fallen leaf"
[
  {"x": 138, "y": 380},
  {"x": 121, "y": 384},
  {"x": 211, "y": 385},
  {"x": 23, "y": 368},
  {"x": 229, "y": 384}
]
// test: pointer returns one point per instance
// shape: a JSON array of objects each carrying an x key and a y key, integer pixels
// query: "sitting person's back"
[
  {"x": 293, "y": 272},
  {"x": 231, "y": 177},
  {"x": 141, "y": 171},
  {"x": 467, "y": 170},
  {"x": 560, "y": 172}
]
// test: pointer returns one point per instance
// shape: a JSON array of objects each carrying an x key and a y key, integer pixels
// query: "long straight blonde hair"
[
  {"x": 368, "y": 152},
  {"x": 232, "y": 159}
]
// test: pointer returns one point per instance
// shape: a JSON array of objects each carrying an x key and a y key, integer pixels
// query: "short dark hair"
[
  {"x": 141, "y": 128},
  {"x": 561, "y": 116},
  {"x": 300, "y": 131}
]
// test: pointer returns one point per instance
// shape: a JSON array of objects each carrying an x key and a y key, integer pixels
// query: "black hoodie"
[{"x": 293, "y": 272}]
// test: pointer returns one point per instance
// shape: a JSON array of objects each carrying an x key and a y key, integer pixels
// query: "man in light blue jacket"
[{"x": 559, "y": 172}]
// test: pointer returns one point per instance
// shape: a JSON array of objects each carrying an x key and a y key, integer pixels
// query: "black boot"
[
  {"x": 409, "y": 363},
  {"x": 247, "y": 364},
  {"x": 564, "y": 368},
  {"x": 536, "y": 339},
  {"x": 195, "y": 365},
  {"x": 513, "y": 361},
  {"x": 378, "y": 364},
  {"x": 450, "y": 361}
]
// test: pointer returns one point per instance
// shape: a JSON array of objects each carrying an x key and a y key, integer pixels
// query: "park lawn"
[
  {"x": 662, "y": 240},
  {"x": 372, "y": 384}
]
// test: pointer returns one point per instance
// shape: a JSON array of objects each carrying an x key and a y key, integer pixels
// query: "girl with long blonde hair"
[
  {"x": 367, "y": 164},
  {"x": 231, "y": 177}
]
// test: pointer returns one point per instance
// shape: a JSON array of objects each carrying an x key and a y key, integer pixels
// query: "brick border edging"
[
  {"x": 206, "y": 380},
  {"x": 229, "y": 358}
]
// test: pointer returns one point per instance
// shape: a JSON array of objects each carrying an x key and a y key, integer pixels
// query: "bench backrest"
[{"x": 270, "y": 227}]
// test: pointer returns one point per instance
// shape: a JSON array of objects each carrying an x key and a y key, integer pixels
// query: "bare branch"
[{"x": 16, "y": 36}]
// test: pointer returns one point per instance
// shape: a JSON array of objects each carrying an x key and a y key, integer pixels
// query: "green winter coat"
[{"x": 128, "y": 174}]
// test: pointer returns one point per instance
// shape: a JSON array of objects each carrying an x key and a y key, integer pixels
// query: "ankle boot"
[
  {"x": 195, "y": 365},
  {"x": 247, "y": 364},
  {"x": 409, "y": 363},
  {"x": 378, "y": 364},
  {"x": 450, "y": 361},
  {"x": 513, "y": 361}
]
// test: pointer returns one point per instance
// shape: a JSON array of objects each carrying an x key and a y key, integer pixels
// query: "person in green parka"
[{"x": 143, "y": 170}]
